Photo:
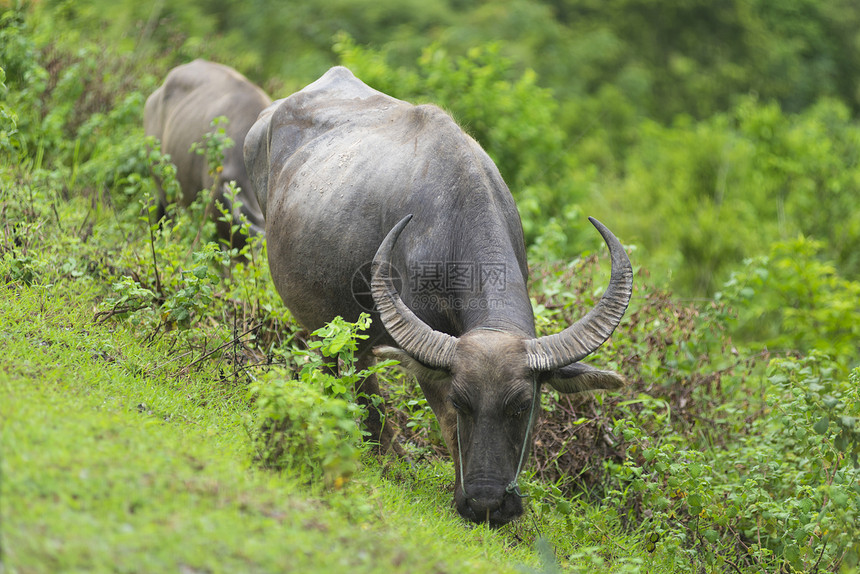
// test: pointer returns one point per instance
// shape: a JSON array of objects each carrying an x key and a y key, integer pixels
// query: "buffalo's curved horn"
[
  {"x": 586, "y": 335},
  {"x": 431, "y": 347}
]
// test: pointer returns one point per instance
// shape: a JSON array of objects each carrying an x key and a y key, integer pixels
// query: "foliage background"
[{"x": 704, "y": 131}]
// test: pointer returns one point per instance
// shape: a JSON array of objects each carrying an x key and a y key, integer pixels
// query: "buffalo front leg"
[{"x": 382, "y": 432}]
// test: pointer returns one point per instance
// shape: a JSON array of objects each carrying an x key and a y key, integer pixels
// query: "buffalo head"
[{"x": 484, "y": 386}]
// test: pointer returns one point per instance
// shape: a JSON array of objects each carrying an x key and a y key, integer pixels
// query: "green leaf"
[
  {"x": 842, "y": 441},
  {"x": 778, "y": 378},
  {"x": 822, "y": 425},
  {"x": 830, "y": 401},
  {"x": 792, "y": 553},
  {"x": 563, "y": 507},
  {"x": 695, "y": 470}
]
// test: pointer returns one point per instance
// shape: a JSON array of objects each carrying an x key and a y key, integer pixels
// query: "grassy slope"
[{"x": 93, "y": 480}]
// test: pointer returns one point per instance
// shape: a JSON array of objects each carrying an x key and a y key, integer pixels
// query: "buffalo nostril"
[{"x": 484, "y": 506}]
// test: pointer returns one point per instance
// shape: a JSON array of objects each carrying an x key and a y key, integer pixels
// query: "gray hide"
[
  {"x": 338, "y": 167},
  {"x": 180, "y": 113}
]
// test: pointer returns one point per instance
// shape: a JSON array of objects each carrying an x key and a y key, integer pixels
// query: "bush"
[
  {"x": 700, "y": 197},
  {"x": 793, "y": 301},
  {"x": 785, "y": 495},
  {"x": 8, "y": 121},
  {"x": 311, "y": 424},
  {"x": 305, "y": 430},
  {"x": 779, "y": 492}
]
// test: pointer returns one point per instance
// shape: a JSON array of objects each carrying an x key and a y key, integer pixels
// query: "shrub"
[
  {"x": 792, "y": 300},
  {"x": 783, "y": 495},
  {"x": 305, "y": 430},
  {"x": 311, "y": 424}
]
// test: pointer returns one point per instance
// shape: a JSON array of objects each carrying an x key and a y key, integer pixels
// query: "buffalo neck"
[{"x": 476, "y": 277}]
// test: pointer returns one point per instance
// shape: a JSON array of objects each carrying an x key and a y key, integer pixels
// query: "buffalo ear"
[
  {"x": 579, "y": 377},
  {"x": 410, "y": 364}
]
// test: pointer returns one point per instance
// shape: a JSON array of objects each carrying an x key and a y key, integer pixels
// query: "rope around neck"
[{"x": 513, "y": 487}]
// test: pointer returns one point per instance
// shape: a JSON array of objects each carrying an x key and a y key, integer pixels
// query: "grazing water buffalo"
[
  {"x": 339, "y": 170},
  {"x": 180, "y": 113}
]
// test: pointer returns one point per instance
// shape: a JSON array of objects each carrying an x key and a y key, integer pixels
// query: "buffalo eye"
[
  {"x": 516, "y": 411},
  {"x": 459, "y": 406}
]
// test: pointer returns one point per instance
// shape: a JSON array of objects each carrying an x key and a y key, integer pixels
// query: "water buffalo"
[
  {"x": 347, "y": 176},
  {"x": 180, "y": 113}
]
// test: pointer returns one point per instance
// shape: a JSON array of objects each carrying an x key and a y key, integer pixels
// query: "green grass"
[{"x": 107, "y": 468}]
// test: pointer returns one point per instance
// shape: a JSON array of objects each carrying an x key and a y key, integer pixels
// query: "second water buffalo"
[{"x": 180, "y": 113}]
